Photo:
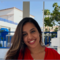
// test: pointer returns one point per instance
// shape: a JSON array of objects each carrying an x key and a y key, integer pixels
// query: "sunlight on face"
[{"x": 31, "y": 35}]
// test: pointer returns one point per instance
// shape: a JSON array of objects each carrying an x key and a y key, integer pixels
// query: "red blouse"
[{"x": 50, "y": 54}]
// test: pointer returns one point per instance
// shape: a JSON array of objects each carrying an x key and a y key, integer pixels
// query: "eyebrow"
[{"x": 30, "y": 30}]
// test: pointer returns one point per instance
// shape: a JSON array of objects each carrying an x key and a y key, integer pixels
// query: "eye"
[
  {"x": 32, "y": 31},
  {"x": 24, "y": 35}
]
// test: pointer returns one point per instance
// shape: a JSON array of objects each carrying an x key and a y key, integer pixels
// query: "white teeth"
[{"x": 32, "y": 41}]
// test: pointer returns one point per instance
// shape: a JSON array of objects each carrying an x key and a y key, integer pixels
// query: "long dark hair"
[{"x": 17, "y": 39}]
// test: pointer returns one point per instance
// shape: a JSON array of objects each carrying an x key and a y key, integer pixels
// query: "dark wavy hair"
[{"x": 17, "y": 39}]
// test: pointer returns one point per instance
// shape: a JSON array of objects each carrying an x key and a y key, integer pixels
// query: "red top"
[{"x": 49, "y": 54}]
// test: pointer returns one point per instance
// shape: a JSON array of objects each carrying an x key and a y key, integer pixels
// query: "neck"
[{"x": 37, "y": 49}]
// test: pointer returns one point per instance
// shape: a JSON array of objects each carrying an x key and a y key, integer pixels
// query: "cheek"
[
  {"x": 38, "y": 36},
  {"x": 25, "y": 39}
]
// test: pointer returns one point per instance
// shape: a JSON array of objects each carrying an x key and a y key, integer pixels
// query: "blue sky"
[{"x": 36, "y": 7}]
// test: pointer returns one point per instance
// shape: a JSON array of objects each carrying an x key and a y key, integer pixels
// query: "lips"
[{"x": 32, "y": 42}]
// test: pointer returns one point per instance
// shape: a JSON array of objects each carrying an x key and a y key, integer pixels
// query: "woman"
[{"x": 26, "y": 42}]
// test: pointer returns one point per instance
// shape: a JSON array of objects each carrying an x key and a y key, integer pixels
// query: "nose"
[{"x": 29, "y": 36}]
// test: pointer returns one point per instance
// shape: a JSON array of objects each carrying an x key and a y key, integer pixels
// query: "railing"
[
  {"x": 48, "y": 36},
  {"x": 5, "y": 41}
]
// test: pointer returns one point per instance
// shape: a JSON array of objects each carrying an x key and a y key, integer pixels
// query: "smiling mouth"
[{"x": 32, "y": 42}]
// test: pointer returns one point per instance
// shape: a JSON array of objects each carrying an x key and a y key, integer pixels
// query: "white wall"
[
  {"x": 11, "y": 17},
  {"x": 12, "y": 14},
  {"x": 5, "y": 17},
  {"x": 17, "y": 15},
  {"x": 31, "y": 16},
  {"x": 13, "y": 30},
  {"x": 3, "y": 52},
  {"x": 7, "y": 14},
  {"x": 2, "y": 23}
]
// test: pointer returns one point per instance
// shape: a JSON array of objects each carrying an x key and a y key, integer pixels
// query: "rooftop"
[{"x": 13, "y": 8}]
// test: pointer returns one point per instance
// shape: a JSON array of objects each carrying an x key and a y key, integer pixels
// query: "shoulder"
[{"x": 52, "y": 52}]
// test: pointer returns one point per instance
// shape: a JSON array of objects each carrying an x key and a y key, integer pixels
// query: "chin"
[{"x": 32, "y": 46}]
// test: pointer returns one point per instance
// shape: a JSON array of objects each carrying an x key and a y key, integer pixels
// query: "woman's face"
[{"x": 31, "y": 35}]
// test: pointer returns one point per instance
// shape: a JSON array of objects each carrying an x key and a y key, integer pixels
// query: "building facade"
[{"x": 12, "y": 14}]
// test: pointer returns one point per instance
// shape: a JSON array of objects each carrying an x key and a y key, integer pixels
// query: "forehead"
[{"x": 28, "y": 26}]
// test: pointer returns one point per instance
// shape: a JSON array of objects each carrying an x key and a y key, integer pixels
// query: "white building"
[{"x": 13, "y": 14}]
